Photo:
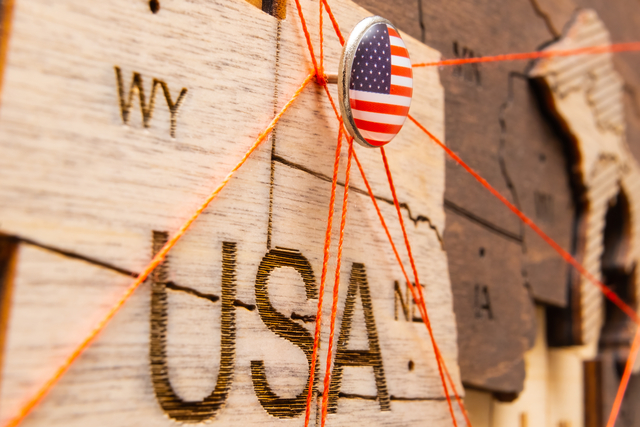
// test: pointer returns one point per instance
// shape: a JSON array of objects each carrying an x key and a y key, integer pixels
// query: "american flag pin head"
[{"x": 375, "y": 82}]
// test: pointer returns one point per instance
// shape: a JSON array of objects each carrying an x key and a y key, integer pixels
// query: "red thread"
[
  {"x": 591, "y": 50},
  {"x": 323, "y": 277},
  {"x": 613, "y": 416},
  {"x": 420, "y": 299},
  {"x": 336, "y": 286},
  {"x": 336, "y": 27},
  {"x": 319, "y": 76},
  {"x": 412, "y": 289},
  {"x": 157, "y": 259},
  {"x": 321, "y": 42},
  {"x": 421, "y": 307},
  {"x": 564, "y": 254}
]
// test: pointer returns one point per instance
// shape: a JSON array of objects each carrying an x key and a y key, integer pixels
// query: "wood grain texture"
[{"x": 92, "y": 181}]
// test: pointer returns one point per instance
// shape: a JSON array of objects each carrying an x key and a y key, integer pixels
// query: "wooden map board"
[
  {"x": 490, "y": 110},
  {"x": 496, "y": 121},
  {"x": 92, "y": 183}
]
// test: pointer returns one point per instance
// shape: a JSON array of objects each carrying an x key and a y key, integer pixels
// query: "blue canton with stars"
[{"x": 371, "y": 68}]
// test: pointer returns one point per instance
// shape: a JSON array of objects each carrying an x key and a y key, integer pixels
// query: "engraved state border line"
[
  {"x": 71, "y": 254},
  {"x": 415, "y": 220},
  {"x": 393, "y": 398},
  {"x": 449, "y": 205},
  {"x": 111, "y": 267},
  {"x": 460, "y": 211}
]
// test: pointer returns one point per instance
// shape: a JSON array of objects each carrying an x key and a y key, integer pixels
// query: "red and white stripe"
[{"x": 380, "y": 117}]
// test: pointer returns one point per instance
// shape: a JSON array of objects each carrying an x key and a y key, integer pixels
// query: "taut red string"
[
  {"x": 420, "y": 299},
  {"x": 334, "y": 22},
  {"x": 336, "y": 287},
  {"x": 590, "y": 50},
  {"x": 319, "y": 77},
  {"x": 612, "y": 296},
  {"x": 323, "y": 277},
  {"x": 416, "y": 297},
  {"x": 320, "y": 32},
  {"x": 157, "y": 259},
  {"x": 633, "y": 354}
]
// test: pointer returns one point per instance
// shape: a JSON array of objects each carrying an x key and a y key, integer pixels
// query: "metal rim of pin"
[{"x": 344, "y": 74}]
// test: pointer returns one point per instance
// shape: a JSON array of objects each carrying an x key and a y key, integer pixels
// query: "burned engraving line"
[
  {"x": 72, "y": 255},
  {"x": 416, "y": 220},
  {"x": 449, "y": 205},
  {"x": 306, "y": 319},
  {"x": 108, "y": 266},
  {"x": 546, "y": 18},
  {"x": 273, "y": 136},
  {"x": 423, "y": 27},
  {"x": 174, "y": 287},
  {"x": 392, "y": 398},
  {"x": 318, "y": 393},
  {"x": 238, "y": 303}
]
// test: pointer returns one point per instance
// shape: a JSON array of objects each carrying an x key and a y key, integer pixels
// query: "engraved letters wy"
[{"x": 126, "y": 101}]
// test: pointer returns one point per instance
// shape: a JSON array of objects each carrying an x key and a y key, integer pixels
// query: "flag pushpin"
[{"x": 375, "y": 82}]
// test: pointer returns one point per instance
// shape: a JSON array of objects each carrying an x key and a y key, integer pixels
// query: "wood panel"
[
  {"x": 492, "y": 120},
  {"x": 95, "y": 176}
]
